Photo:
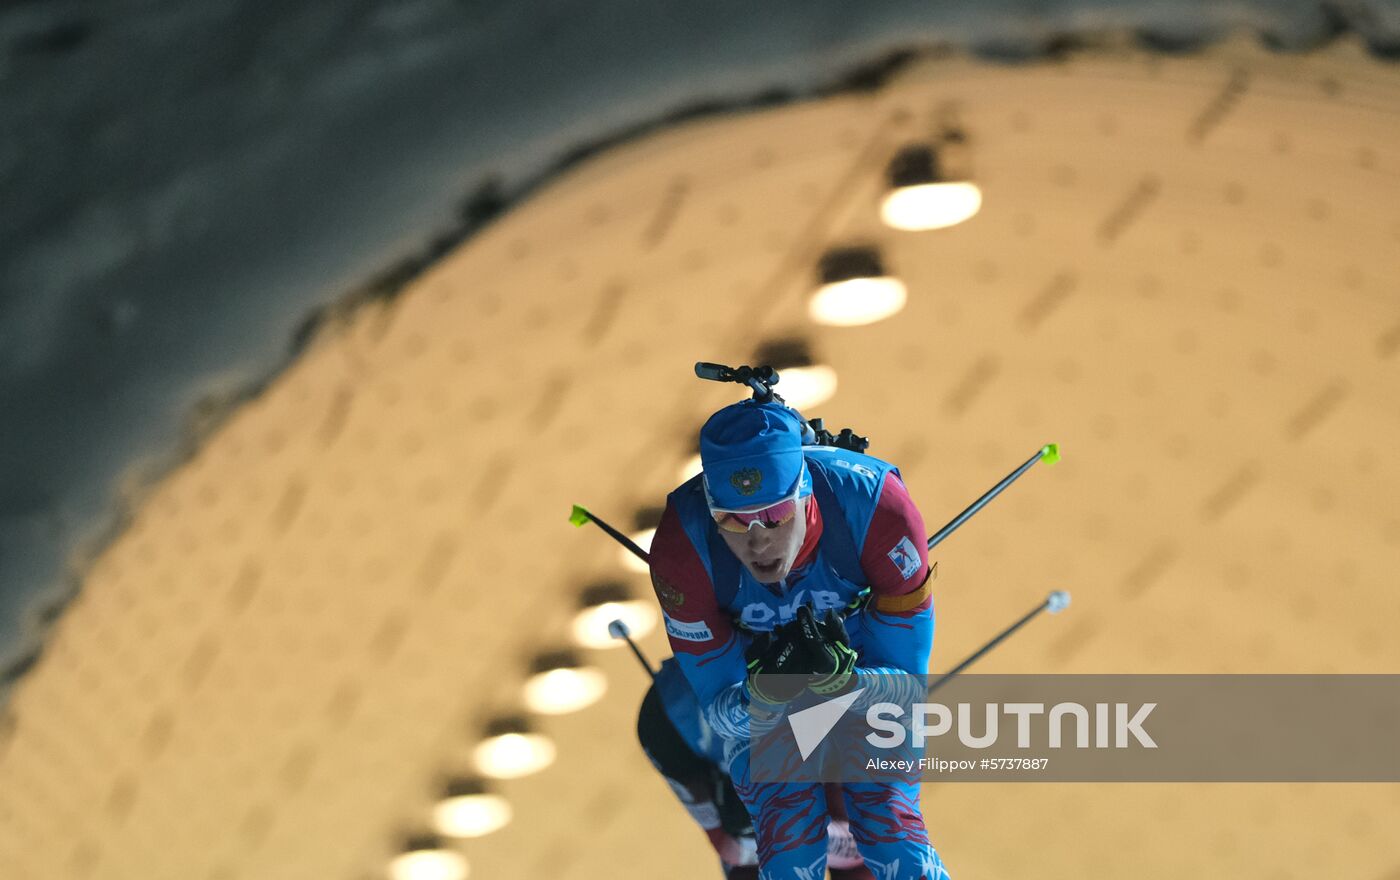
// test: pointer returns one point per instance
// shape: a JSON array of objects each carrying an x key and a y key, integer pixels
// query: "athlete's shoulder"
[
  {"x": 672, "y": 539},
  {"x": 687, "y": 493},
  {"x": 895, "y": 551},
  {"x": 850, "y": 474}
]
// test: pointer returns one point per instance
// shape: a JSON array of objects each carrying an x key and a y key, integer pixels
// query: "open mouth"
[{"x": 768, "y": 568}]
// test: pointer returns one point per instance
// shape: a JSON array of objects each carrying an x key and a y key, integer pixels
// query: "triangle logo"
[{"x": 810, "y": 726}]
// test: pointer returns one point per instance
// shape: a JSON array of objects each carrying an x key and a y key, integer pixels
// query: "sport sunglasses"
[{"x": 770, "y": 517}]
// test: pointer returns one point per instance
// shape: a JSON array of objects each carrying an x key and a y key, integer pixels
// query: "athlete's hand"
[
  {"x": 778, "y": 665},
  {"x": 832, "y": 660}
]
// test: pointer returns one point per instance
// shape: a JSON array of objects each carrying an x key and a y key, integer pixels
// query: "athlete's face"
[{"x": 768, "y": 554}]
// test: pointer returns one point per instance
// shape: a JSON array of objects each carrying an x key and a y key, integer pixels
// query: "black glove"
[
  {"x": 831, "y": 659},
  {"x": 778, "y": 665}
]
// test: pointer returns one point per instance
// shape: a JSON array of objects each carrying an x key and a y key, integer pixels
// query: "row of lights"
[
  {"x": 855, "y": 290},
  {"x": 928, "y": 189},
  {"x": 559, "y": 683}
]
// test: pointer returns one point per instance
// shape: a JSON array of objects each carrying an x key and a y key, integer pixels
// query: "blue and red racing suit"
[
  {"x": 688, "y": 755},
  {"x": 864, "y": 547}
]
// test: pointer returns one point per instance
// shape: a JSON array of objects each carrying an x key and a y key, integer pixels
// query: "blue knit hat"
[{"x": 751, "y": 454}]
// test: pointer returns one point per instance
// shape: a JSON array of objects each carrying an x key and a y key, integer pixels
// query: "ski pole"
[
  {"x": 1050, "y": 452},
  {"x": 1054, "y": 603},
  {"x": 582, "y": 515},
  {"x": 618, "y": 630}
]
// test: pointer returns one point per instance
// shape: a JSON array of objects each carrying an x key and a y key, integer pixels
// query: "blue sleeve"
[
  {"x": 708, "y": 649},
  {"x": 897, "y": 626},
  {"x": 895, "y": 643}
]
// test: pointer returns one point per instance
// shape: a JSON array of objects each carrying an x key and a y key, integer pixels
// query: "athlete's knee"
[
  {"x": 883, "y": 813},
  {"x": 789, "y": 821}
]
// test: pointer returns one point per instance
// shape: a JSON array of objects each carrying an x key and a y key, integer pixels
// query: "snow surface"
[{"x": 182, "y": 184}]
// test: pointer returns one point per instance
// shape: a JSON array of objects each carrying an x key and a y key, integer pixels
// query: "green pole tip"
[
  {"x": 1050, "y": 453},
  {"x": 580, "y": 516}
]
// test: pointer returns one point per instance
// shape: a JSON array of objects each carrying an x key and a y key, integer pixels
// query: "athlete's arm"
[
  {"x": 706, "y": 646},
  {"x": 899, "y": 618}
]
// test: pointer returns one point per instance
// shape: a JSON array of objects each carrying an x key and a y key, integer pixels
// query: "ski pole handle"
[
  {"x": 1050, "y": 452},
  {"x": 618, "y": 630},
  {"x": 1054, "y": 603}
]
